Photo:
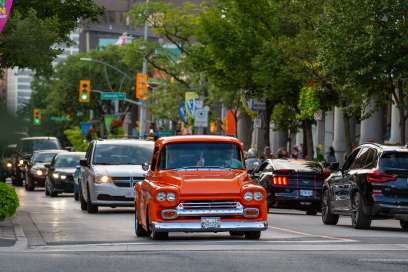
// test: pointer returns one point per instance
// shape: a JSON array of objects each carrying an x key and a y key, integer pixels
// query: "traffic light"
[
  {"x": 141, "y": 85},
  {"x": 84, "y": 91},
  {"x": 36, "y": 117}
]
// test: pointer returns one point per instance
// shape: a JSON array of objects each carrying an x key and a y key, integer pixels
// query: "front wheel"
[
  {"x": 404, "y": 225},
  {"x": 328, "y": 217},
  {"x": 84, "y": 206},
  {"x": 252, "y": 235},
  {"x": 91, "y": 208},
  {"x": 159, "y": 235},
  {"x": 359, "y": 219}
]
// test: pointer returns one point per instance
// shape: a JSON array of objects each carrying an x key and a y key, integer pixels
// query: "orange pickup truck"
[{"x": 199, "y": 184}]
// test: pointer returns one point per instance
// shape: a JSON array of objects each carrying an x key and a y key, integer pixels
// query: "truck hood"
[
  {"x": 119, "y": 170},
  {"x": 192, "y": 183}
]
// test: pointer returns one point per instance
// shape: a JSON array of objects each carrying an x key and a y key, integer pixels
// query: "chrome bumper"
[
  {"x": 197, "y": 227},
  {"x": 237, "y": 210}
]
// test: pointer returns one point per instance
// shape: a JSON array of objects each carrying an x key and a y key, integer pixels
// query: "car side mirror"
[
  {"x": 145, "y": 166},
  {"x": 84, "y": 163},
  {"x": 334, "y": 166},
  {"x": 69, "y": 148},
  {"x": 47, "y": 165}
]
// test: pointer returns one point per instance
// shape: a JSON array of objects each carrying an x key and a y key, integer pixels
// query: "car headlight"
[
  {"x": 161, "y": 196},
  {"x": 55, "y": 175},
  {"x": 258, "y": 196},
  {"x": 248, "y": 196},
  {"x": 171, "y": 196},
  {"x": 9, "y": 165},
  {"x": 20, "y": 162},
  {"x": 39, "y": 172},
  {"x": 63, "y": 177},
  {"x": 103, "y": 179}
]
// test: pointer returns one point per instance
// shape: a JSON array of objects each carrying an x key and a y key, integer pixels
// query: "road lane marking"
[
  {"x": 312, "y": 235},
  {"x": 378, "y": 260}
]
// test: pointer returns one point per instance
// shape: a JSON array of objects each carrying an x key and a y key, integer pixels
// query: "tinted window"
[
  {"x": 121, "y": 154},
  {"x": 371, "y": 160},
  {"x": 42, "y": 157},
  {"x": 394, "y": 160},
  {"x": 297, "y": 165},
  {"x": 29, "y": 146},
  {"x": 205, "y": 155},
  {"x": 350, "y": 159},
  {"x": 67, "y": 161},
  {"x": 361, "y": 159}
]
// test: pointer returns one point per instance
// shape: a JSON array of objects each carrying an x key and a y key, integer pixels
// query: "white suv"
[{"x": 109, "y": 171}]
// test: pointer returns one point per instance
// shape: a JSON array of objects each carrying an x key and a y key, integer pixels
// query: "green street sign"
[{"x": 114, "y": 96}]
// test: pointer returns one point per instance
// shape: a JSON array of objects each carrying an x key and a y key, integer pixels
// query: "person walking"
[{"x": 331, "y": 156}]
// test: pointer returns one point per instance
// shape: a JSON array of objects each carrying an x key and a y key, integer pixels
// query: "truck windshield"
[
  {"x": 201, "y": 155},
  {"x": 121, "y": 154}
]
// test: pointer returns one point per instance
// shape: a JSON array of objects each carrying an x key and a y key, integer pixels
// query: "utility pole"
[{"x": 144, "y": 72}]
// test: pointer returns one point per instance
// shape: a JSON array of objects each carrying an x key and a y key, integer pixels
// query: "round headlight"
[
  {"x": 171, "y": 196},
  {"x": 248, "y": 196},
  {"x": 104, "y": 179},
  {"x": 21, "y": 162},
  {"x": 258, "y": 196},
  {"x": 55, "y": 175},
  {"x": 161, "y": 196},
  {"x": 9, "y": 165},
  {"x": 39, "y": 172}
]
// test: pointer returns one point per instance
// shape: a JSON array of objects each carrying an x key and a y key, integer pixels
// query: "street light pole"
[{"x": 144, "y": 72}]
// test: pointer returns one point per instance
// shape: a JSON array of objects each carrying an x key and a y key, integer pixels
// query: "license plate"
[
  {"x": 210, "y": 222},
  {"x": 306, "y": 193}
]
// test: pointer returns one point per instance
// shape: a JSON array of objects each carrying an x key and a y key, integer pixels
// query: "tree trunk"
[
  {"x": 347, "y": 133},
  {"x": 401, "y": 111},
  {"x": 309, "y": 140},
  {"x": 267, "y": 131}
]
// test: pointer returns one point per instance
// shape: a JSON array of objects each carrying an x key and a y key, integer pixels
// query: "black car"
[
  {"x": 60, "y": 176},
  {"x": 293, "y": 184},
  {"x": 24, "y": 151},
  {"x": 6, "y": 162},
  {"x": 36, "y": 171},
  {"x": 372, "y": 184}
]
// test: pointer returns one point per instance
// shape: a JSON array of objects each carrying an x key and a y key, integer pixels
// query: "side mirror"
[
  {"x": 334, "y": 166},
  {"x": 84, "y": 163},
  {"x": 145, "y": 166},
  {"x": 69, "y": 148},
  {"x": 48, "y": 166}
]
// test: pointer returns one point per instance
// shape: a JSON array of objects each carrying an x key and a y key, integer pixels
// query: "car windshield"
[
  {"x": 394, "y": 160},
  {"x": 29, "y": 146},
  {"x": 201, "y": 155},
  {"x": 67, "y": 161},
  {"x": 121, "y": 154},
  {"x": 43, "y": 157}
]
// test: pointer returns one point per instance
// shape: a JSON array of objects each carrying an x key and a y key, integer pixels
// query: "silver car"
[{"x": 110, "y": 170}]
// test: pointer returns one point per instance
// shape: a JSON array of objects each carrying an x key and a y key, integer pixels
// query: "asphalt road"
[{"x": 61, "y": 237}]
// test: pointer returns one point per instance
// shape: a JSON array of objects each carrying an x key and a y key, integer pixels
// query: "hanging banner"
[
  {"x": 5, "y": 7},
  {"x": 85, "y": 127},
  {"x": 190, "y": 102},
  {"x": 182, "y": 112}
]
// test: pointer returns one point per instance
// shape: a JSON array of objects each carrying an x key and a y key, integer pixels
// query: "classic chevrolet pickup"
[{"x": 199, "y": 184}]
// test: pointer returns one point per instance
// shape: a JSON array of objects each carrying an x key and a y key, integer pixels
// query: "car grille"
[
  {"x": 126, "y": 182},
  {"x": 209, "y": 205}
]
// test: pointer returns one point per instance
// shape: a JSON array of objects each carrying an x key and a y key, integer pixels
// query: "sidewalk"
[{"x": 7, "y": 234}]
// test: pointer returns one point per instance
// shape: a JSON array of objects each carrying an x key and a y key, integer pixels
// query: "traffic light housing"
[
  {"x": 141, "y": 85},
  {"x": 36, "y": 117},
  {"x": 84, "y": 91}
]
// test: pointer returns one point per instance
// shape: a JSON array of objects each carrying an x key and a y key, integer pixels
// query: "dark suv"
[
  {"x": 373, "y": 184},
  {"x": 25, "y": 149}
]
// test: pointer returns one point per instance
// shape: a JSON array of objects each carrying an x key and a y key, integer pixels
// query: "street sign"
[
  {"x": 201, "y": 118},
  {"x": 85, "y": 126},
  {"x": 318, "y": 115},
  {"x": 113, "y": 96},
  {"x": 256, "y": 105}
]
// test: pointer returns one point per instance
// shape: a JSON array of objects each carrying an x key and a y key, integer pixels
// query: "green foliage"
[
  {"x": 76, "y": 139},
  {"x": 309, "y": 103},
  {"x": 289, "y": 121},
  {"x": 8, "y": 201}
]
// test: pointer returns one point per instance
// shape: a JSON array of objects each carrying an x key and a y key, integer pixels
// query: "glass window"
[
  {"x": 371, "y": 160},
  {"x": 42, "y": 157},
  {"x": 350, "y": 160},
  {"x": 67, "y": 161},
  {"x": 201, "y": 155},
  {"x": 29, "y": 146},
  {"x": 121, "y": 154},
  {"x": 361, "y": 159},
  {"x": 394, "y": 161}
]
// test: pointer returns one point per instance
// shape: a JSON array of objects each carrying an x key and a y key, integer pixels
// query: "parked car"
[
  {"x": 60, "y": 176},
  {"x": 24, "y": 151},
  {"x": 36, "y": 170},
  {"x": 292, "y": 184},
  {"x": 199, "y": 184},
  {"x": 372, "y": 184},
  {"x": 109, "y": 171},
  {"x": 6, "y": 162},
  {"x": 77, "y": 177}
]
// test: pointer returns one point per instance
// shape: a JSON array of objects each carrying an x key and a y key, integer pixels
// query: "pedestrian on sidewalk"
[{"x": 331, "y": 156}]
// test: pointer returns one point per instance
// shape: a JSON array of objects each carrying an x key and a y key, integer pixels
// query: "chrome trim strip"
[
  {"x": 196, "y": 226},
  {"x": 182, "y": 211}
]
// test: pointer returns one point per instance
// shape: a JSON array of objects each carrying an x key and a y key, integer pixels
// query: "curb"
[{"x": 21, "y": 243}]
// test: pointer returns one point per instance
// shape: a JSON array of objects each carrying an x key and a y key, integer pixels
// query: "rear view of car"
[{"x": 293, "y": 184}]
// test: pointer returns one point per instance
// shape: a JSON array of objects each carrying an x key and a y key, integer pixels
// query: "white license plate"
[
  {"x": 306, "y": 193},
  {"x": 210, "y": 222}
]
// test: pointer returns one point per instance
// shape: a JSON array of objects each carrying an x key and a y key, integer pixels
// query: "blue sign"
[
  {"x": 182, "y": 112},
  {"x": 85, "y": 126}
]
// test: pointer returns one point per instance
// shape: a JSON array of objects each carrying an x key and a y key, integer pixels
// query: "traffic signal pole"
[{"x": 144, "y": 72}]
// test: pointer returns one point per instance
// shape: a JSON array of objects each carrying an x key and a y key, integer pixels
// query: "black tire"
[
  {"x": 311, "y": 212},
  {"x": 359, "y": 219},
  {"x": 28, "y": 184},
  {"x": 252, "y": 235},
  {"x": 139, "y": 230},
  {"x": 236, "y": 233},
  {"x": 51, "y": 191},
  {"x": 328, "y": 217},
  {"x": 84, "y": 206},
  {"x": 404, "y": 225},
  {"x": 90, "y": 208},
  {"x": 76, "y": 196},
  {"x": 47, "y": 193},
  {"x": 159, "y": 235}
]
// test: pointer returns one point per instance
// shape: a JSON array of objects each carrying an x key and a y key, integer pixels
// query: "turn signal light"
[
  {"x": 169, "y": 214},
  {"x": 277, "y": 180},
  {"x": 251, "y": 212},
  {"x": 377, "y": 176}
]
